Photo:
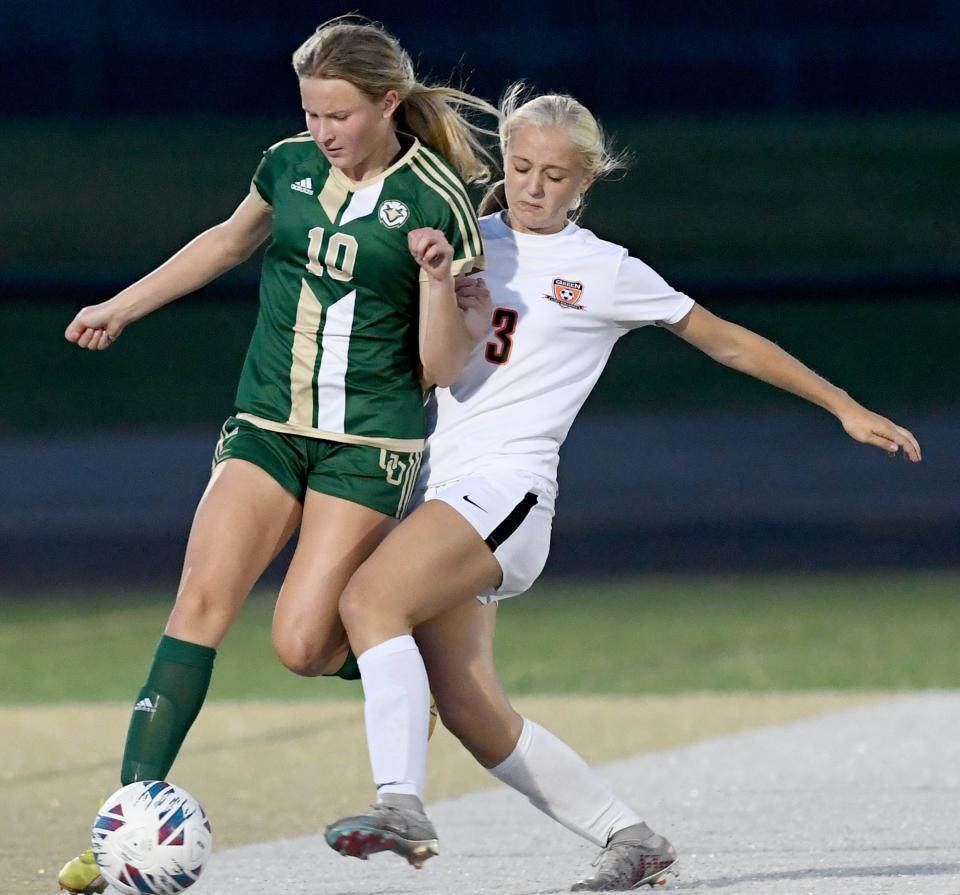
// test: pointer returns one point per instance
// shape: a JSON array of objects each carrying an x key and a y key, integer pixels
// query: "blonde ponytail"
[
  {"x": 433, "y": 115},
  {"x": 354, "y": 49}
]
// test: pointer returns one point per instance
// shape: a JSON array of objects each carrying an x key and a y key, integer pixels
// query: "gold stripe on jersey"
[
  {"x": 405, "y": 445},
  {"x": 304, "y": 359},
  {"x": 255, "y": 193},
  {"x": 299, "y": 138},
  {"x": 443, "y": 173},
  {"x": 461, "y": 265},
  {"x": 356, "y": 185},
  {"x": 333, "y": 196},
  {"x": 427, "y": 177}
]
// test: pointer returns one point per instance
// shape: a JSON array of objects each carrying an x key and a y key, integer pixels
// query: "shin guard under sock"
[{"x": 165, "y": 708}]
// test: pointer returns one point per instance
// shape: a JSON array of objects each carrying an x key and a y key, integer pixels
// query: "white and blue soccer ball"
[{"x": 151, "y": 838}]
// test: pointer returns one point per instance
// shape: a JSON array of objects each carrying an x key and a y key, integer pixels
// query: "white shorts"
[{"x": 512, "y": 512}]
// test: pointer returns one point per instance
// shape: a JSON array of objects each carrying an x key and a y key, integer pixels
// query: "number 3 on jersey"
[{"x": 504, "y": 326}]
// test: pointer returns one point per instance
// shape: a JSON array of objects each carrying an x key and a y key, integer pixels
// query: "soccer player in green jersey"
[{"x": 369, "y": 223}]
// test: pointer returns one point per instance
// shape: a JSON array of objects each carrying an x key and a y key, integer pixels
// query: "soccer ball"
[{"x": 151, "y": 838}]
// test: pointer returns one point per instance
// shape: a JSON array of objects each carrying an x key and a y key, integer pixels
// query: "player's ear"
[{"x": 390, "y": 103}]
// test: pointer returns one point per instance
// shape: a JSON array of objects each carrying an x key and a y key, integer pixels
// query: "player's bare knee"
[
  {"x": 303, "y": 657},
  {"x": 363, "y": 602},
  {"x": 453, "y": 716},
  {"x": 488, "y": 731},
  {"x": 202, "y": 613},
  {"x": 461, "y": 716},
  {"x": 296, "y": 660}
]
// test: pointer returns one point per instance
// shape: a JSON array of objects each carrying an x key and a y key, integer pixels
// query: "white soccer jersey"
[{"x": 560, "y": 302}]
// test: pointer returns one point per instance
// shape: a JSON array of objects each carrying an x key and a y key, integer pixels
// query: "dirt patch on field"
[{"x": 269, "y": 770}]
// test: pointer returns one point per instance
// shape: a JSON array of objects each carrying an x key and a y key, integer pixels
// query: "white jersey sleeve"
[{"x": 642, "y": 297}]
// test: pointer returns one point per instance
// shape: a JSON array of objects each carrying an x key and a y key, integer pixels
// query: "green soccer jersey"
[{"x": 334, "y": 353}]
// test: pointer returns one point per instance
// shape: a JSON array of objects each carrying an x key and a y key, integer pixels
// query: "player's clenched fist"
[
  {"x": 95, "y": 327},
  {"x": 473, "y": 299},
  {"x": 432, "y": 251}
]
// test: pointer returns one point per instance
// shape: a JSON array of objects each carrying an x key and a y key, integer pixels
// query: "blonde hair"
[
  {"x": 575, "y": 120},
  {"x": 362, "y": 52}
]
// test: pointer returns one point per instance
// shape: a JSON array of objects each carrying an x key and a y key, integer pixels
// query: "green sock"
[
  {"x": 349, "y": 671},
  {"x": 166, "y": 706}
]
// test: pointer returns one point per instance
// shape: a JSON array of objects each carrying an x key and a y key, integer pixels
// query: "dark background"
[
  {"x": 795, "y": 167},
  {"x": 96, "y": 57}
]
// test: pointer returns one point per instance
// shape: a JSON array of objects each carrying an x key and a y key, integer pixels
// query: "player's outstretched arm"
[
  {"x": 212, "y": 253},
  {"x": 746, "y": 351}
]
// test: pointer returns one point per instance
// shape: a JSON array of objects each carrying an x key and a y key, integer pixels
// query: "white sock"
[
  {"x": 397, "y": 714},
  {"x": 563, "y": 786}
]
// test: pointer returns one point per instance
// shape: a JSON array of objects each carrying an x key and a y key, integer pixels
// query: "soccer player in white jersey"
[{"x": 561, "y": 298}]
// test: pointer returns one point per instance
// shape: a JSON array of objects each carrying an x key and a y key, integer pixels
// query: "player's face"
[
  {"x": 542, "y": 176},
  {"x": 355, "y": 133}
]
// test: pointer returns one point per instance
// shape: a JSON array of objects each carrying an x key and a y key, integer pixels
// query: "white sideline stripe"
[{"x": 855, "y": 797}]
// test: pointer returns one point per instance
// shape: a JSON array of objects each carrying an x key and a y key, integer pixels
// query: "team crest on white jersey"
[
  {"x": 393, "y": 213},
  {"x": 566, "y": 293}
]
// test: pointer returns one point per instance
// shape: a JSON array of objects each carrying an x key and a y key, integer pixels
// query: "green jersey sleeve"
[
  {"x": 452, "y": 211},
  {"x": 272, "y": 168},
  {"x": 265, "y": 177}
]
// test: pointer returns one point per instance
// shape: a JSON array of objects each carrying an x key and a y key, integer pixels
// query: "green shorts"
[{"x": 370, "y": 476}]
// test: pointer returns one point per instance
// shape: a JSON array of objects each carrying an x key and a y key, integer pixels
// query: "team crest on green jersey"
[{"x": 393, "y": 213}]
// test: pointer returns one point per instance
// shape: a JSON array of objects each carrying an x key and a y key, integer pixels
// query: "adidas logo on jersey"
[
  {"x": 145, "y": 705},
  {"x": 303, "y": 186}
]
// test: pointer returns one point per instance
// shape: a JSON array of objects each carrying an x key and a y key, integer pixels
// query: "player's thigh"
[
  {"x": 336, "y": 536},
  {"x": 355, "y": 493},
  {"x": 512, "y": 511},
  {"x": 433, "y": 561},
  {"x": 457, "y": 649},
  {"x": 242, "y": 521}
]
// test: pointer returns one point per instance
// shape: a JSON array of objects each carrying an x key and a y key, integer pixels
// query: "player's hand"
[
  {"x": 432, "y": 251},
  {"x": 473, "y": 298},
  {"x": 868, "y": 427},
  {"x": 96, "y": 327}
]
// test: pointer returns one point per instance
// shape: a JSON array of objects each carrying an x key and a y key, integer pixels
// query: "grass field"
[
  {"x": 616, "y": 667},
  {"x": 629, "y": 637}
]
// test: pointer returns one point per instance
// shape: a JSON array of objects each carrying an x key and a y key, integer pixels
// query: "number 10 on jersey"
[{"x": 340, "y": 258}]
